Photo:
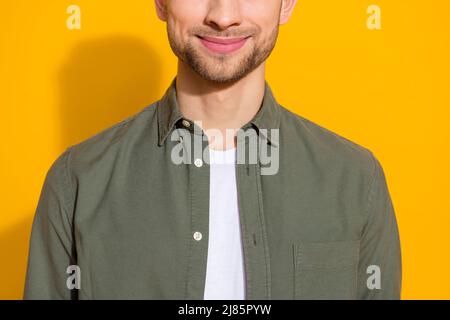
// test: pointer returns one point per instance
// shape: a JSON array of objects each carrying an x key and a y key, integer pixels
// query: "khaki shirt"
[{"x": 118, "y": 218}]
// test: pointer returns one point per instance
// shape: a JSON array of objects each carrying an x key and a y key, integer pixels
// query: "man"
[{"x": 179, "y": 202}]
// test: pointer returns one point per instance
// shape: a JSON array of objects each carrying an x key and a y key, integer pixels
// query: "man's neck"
[{"x": 220, "y": 107}]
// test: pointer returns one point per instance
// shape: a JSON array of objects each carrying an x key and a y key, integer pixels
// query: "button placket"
[
  {"x": 256, "y": 251},
  {"x": 199, "y": 225}
]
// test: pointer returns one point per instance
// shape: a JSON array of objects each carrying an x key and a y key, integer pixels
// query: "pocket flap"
[{"x": 336, "y": 254}]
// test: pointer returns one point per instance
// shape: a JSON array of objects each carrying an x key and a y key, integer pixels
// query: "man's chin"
[
  {"x": 221, "y": 69},
  {"x": 220, "y": 78}
]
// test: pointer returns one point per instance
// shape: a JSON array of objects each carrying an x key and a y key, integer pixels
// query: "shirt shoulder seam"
[
  {"x": 373, "y": 178},
  {"x": 68, "y": 187}
]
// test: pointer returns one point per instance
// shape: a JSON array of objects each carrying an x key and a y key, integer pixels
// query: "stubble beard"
[{"x": 221, "y": 70}]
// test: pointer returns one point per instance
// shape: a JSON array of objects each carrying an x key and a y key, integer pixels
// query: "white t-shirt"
[{"x": 225, "y": 276}]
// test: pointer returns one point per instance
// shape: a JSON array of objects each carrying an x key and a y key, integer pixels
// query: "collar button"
[{"x": 186, "y": 123}]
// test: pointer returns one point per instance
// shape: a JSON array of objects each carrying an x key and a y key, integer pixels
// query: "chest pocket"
[{"x": 325, "y": 270}]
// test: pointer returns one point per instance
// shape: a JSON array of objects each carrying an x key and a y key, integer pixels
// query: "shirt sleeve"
[
  {"x": 52, "y": 248},
  {"x": 380, "y": 266}
]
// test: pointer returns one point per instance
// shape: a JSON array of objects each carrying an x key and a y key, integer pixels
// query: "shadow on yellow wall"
[{"x": 102, "y": 82}]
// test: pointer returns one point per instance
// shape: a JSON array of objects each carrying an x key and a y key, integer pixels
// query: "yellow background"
[{"x": 385, "y": 89}]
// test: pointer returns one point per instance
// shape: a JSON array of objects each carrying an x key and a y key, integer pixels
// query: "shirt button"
[
  {"x": 197, "y": 236},
  {"x": 198, "y": 163},
  {"x": 186, "y": 123}
]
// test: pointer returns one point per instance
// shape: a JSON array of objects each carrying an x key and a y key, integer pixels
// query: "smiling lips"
[{"x": 223, "y": 45}]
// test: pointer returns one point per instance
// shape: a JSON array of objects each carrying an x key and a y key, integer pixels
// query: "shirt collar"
[{"x": 168, "y": 113}]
